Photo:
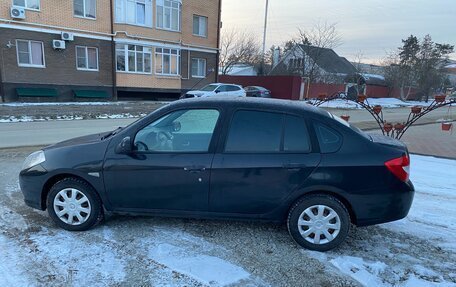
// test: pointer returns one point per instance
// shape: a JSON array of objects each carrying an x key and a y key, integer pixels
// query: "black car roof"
[{"x": 251, "y": 102}]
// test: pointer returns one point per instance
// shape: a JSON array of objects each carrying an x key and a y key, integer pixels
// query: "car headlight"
[{"x": 34, "y": 159}]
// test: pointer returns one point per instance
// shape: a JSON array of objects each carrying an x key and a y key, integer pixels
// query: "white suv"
[{"x": 217, "y": 90}]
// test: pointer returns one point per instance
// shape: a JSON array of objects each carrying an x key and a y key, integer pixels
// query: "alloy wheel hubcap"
[
  {"x": 319, "y": 224},
  {"x": 72, "y": 206}
]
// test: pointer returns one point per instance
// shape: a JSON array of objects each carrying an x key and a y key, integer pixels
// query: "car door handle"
[
  {"x": 194, "y": 169},
  {"x": 294, "y": 166}
]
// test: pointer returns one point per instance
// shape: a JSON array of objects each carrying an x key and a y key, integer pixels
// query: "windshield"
[{"x": 209, "y": 88}]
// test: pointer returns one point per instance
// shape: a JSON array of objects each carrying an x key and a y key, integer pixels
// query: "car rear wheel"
[
  {"x": 74, "y": 205},
  {"x": 318, "y": 222}
]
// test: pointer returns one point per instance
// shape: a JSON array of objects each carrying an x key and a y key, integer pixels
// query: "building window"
[
  {"x": 167, "y": 61},
  {"x": 169, "y": 14},
  {"x": 27, "y": 4},
  {"x": 30, "y": 53},
  {"x": 86, "y": 58},
  {"x": 85, "y": 8},
  {"x": 198, "y": 68},
  {"x": 134, "y": 12},
  {"x": 200, "y": 26},
  {"x": 134, "y": 59}
]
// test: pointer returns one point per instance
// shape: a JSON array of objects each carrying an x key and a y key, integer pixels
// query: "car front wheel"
[
  {"x": 74, "y": 205},
  {"x": 319, "y": 222}
]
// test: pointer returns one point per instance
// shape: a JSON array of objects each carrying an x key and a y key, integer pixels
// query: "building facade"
[{"x": 81, "y": 49}]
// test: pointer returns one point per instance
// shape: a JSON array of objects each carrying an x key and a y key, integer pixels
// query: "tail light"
[{"x": 400, "y": 167}]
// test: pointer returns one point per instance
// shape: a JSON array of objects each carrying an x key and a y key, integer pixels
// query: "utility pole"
[{"x": 264, "y": 36}]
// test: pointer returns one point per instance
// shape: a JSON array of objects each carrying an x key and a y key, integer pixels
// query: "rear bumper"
[{"x": 384, "y": 206}]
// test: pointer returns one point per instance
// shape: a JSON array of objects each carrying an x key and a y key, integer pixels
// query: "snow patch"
[
  {"x": 206, "y": 269},
  {"x": 384, "y": 102},
  {"x": 367, "y": 273}
]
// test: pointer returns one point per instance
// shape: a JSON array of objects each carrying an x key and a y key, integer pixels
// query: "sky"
[{"x": 371, "y": 28}]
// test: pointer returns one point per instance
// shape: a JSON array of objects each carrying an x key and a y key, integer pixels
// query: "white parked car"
[{"x": 217, "y": 90}]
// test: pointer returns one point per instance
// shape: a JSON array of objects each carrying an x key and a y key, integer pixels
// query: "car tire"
[
  {"x": 75, "y": 198},
  {"x": 318, "y": 215}
]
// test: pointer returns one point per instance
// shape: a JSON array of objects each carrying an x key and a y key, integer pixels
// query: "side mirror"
[
  {"x": 217, "y": 91},
  {"x": 124, "y": 147}
]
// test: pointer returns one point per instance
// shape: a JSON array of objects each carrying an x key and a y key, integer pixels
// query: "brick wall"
[
  {"x": 188, "y": 82},
  {"x": 60, "y": 64},
  {"x": 60, "y": 13}
]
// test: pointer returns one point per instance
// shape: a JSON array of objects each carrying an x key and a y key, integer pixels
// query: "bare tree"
[
  {"x": 238, "y": 47},
  {"x": 309, "y": 46},
  {"x": 358, "y": 60}
]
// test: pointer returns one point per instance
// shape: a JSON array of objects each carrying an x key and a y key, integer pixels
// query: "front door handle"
[
  {"x": 294, "y": 166},
  {"x": 194, "y": 169}
]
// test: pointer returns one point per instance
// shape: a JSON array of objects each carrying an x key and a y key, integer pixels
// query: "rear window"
[
  {"x": 355, "y": 129},
  {"x": 328, "y": 139},
  {"x": 253, "y": 131}
]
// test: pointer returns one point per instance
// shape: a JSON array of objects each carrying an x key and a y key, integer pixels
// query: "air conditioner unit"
[
  {"x": 17, "y": 12},
  {"x": 58, "y": 44},
  {"x": 67, "y": 36}
]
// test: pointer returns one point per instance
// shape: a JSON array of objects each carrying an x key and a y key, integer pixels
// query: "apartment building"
[{"x": 54, "y": 50}]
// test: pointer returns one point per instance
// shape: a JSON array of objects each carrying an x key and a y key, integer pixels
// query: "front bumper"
[{"x": 32, "y": 183}]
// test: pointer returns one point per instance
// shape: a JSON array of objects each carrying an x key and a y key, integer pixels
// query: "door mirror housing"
[
  {"x": 124, "y": 147},
  {"x": 217, "y": 91}
]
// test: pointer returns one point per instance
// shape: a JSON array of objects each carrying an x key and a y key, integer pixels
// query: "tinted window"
[
  {"x": 180, "y": 131},
  {"x": 253, "y": 131},
  {"x": 232, "y": 88},
  {"x": 296, "y": 137},
  {"x": 223, "y": 88},
  {"x": 329, "y": 139}
]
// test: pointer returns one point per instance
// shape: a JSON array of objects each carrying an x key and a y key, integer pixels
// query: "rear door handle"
[
  {"x": 194, "y": 169},
  {"x": 294, "y": 166}
]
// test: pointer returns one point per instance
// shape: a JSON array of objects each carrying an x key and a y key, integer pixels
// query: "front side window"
[
  {"x": 253, "y": 131},
  {"x": 169, "y": 14},
  {"x": 134, "y": 12},
  {"x": 133, "y": 58},
  {"x": 85, "y": 8},
  {"x": 198, "y": 68},
  {"x": 200, "y": 26},
  {"x": 27, "y": 4},
  {"x": 180, "y": 131},
  {"x": 86, "y": 58},
  {"x": 30, "y": 53},
  {"x": 167, "y": 61}
]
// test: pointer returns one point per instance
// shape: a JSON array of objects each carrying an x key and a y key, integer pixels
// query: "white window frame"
[
  {"x": 207, "y": 24},
  {"x": 161, "y": 26},
  {"x": 84, "y": 10},
  {"x": 29, "y": 42},
  {"x": 121, "y": 13},
  {"x": 178, "y": 55},
  {"x": 86, "y": 59},
  {"x": 124, "y": 48},
  {"x": 204, "y": 70},
  {"x": 27, "y": 8}
]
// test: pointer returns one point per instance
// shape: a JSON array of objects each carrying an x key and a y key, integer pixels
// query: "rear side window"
[
  {"x": 253, "y": 131},
  {"x": 232, "y": 88},
  {"x": 328, "y": 138},
  {"x": 296, "y": 137}
]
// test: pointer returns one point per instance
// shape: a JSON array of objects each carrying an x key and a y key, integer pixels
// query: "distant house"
[
  {"x": 450, "y": 71},
  {"x": 240, "y": 70},
  {"x": 319, "y": 64}
]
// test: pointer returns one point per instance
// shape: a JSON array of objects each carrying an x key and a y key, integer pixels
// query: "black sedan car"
[
  {"x": 258, "y": 92},
  {"x": 245, "y": 158}
]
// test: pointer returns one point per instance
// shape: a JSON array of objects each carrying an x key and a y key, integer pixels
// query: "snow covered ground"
[
  {"x": 384, "y": 102},
  {"x": 13, "y": 119},
  {"x": 419, "y": 250}
]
